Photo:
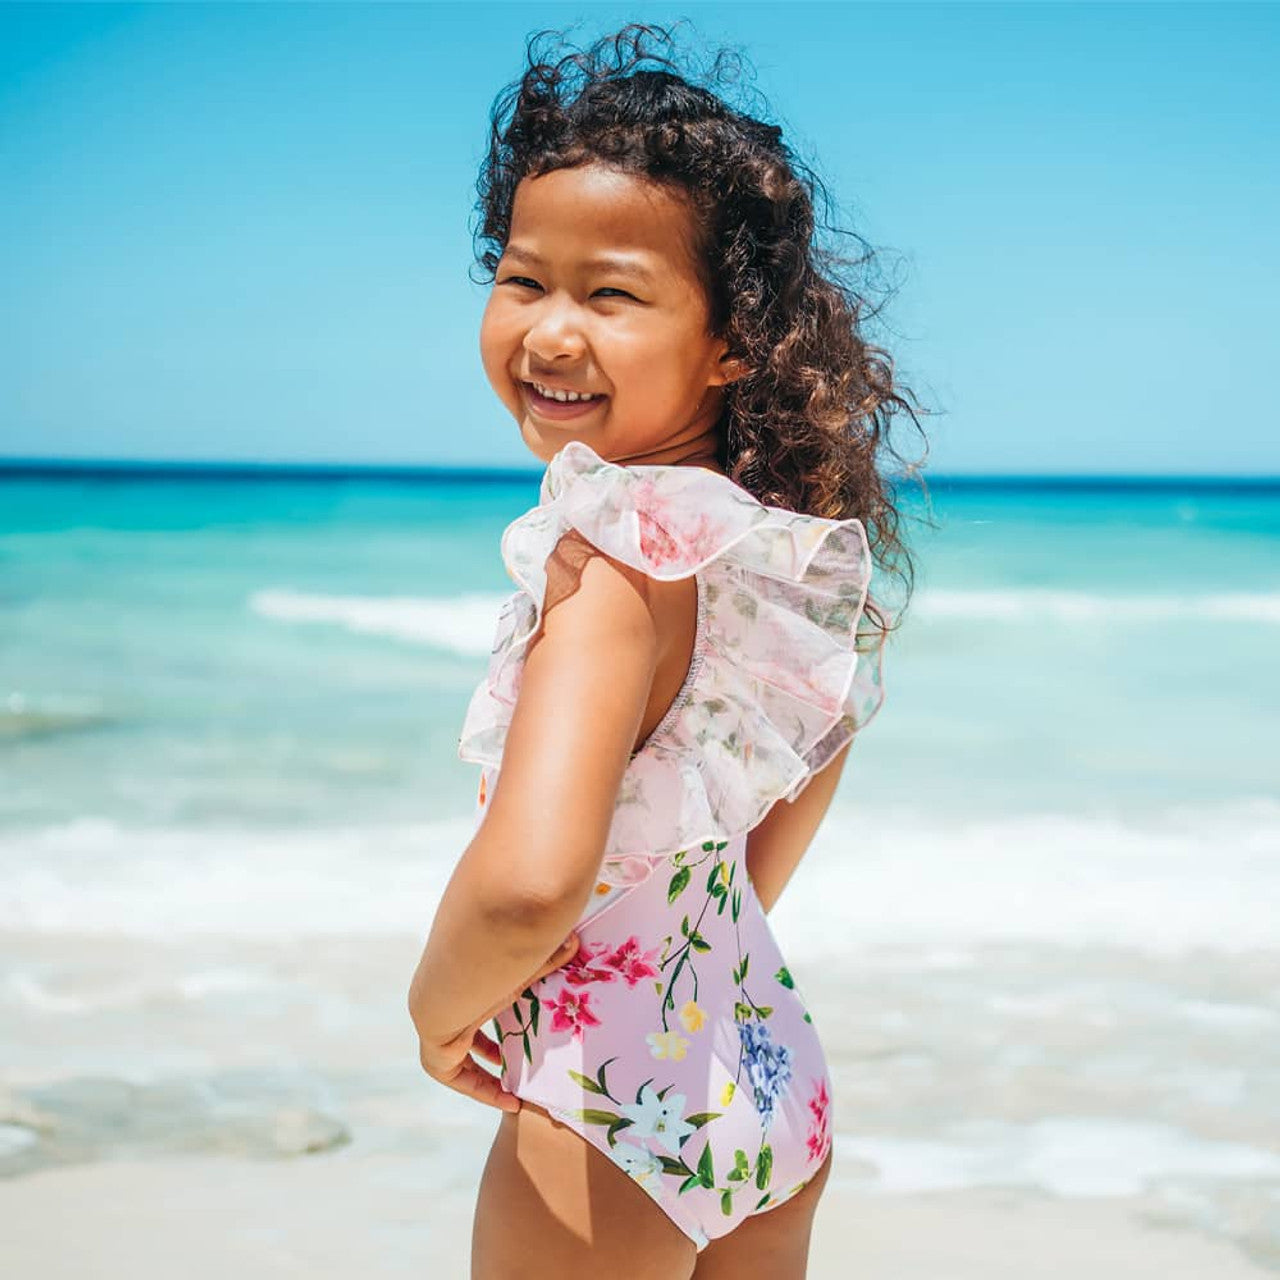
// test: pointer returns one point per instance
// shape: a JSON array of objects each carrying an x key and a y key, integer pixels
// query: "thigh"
[
  {"x": 550, "y": 1204},
  {"x": 773, "y": 1245}
]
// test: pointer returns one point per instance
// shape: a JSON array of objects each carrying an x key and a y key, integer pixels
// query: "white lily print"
[
  {"x": 642, "y": 1165},
  {"x": 660, "y": 1118}
]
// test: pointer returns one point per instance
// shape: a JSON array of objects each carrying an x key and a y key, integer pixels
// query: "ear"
[{"x": 730, "y": 368}]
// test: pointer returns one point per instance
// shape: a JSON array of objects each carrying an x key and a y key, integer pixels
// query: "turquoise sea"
[
  {"x": 187, "y": 655},
  {"x": 1038, "y": 928}
]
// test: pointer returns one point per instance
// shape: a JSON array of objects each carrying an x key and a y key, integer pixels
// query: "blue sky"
[{"x": 242, "y": 231}]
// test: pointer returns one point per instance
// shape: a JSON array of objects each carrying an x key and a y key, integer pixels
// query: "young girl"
[{"x": 673, "y": 688}]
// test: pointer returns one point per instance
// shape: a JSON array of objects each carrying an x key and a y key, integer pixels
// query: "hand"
[{"x": 450, "y": 1062}]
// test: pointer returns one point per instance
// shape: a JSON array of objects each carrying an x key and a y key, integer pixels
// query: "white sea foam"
[
  {"x": 1191, "y": 878},
  {"x": 462, "y": 624},
  {"x": 1198, "y": 878},
  {"x": 1035, "y": 604},
  {"x": 1065, "y": 1155},
  {"x": 31, "y": 991},
  {"x": 96, "y": 876}
]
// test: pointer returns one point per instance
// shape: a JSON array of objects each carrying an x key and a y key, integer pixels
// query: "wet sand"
[{"x": 213, "y": 1107}]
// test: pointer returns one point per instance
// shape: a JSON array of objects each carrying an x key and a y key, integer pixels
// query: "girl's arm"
[
  {"x": 776, "y": 845},
  {"x": 529, "y": 870}
]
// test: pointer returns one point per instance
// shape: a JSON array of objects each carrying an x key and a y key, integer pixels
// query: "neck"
[{"x": 697, "y": 445}]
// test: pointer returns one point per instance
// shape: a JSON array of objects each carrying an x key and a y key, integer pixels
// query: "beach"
[
  {"x": 999, "y": 1114},
  {"x": 1036, "y": 932}
]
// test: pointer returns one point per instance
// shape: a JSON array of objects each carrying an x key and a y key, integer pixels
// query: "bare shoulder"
[{"x": 606, "y": 590}]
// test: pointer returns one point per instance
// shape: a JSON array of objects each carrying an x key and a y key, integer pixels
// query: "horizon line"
[{"x": 216, "y": 469}]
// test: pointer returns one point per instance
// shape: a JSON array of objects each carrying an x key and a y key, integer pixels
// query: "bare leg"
[
  {"x": 551, "y": 1204},
  {"x": 768, "y": 1246}
]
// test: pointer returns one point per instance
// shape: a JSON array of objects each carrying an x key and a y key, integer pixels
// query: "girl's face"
[{"x": 597, "y": 292}]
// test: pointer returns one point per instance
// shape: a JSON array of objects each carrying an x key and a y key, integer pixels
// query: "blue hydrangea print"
[{"x": 768, "y": 1067}]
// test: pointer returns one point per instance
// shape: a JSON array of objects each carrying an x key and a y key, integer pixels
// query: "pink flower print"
[
  {"x": 571, "y": 1011},
  {"x": 588, "y": 965},
  {"x": 632, "y": 963},
  {"x": 819, "y": 1142},
  {"x": 670, "y": 536},
  {"x": 820, "y": 1103},
  {"x": 657, "y": 545},
  {"x": 819, "y": 1137}
]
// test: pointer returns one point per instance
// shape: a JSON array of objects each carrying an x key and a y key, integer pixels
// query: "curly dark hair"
[{"x": 807, "y": 427}]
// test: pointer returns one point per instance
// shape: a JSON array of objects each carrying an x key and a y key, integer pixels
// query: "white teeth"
[{"x": 565, "y": 397}]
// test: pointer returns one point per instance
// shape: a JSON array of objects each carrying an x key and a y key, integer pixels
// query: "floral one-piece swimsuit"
[{"x": 676, "y": 1040}]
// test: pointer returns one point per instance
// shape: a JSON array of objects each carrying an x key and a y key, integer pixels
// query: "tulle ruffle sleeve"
[{"x": 785, "y": 669}]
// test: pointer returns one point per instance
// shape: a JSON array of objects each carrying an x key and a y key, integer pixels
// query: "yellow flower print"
[
  {"x": 726, "y": 1094},
  {"x": 667, "y": 1044},
  {"x": 691, "y": 1017}
]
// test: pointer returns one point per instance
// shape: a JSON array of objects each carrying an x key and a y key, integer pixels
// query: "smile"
[{"x": 560, "y": 404}]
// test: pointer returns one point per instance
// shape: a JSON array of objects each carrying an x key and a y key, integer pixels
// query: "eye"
[
  {"x": 522, "y": 281},
  {"x": 622, "y": 292}
]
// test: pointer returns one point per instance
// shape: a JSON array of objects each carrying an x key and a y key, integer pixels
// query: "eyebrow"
[{"x": 604, "y": 262}]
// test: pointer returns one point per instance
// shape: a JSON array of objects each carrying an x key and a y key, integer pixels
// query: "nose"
[{"x": 555, "y": 333}]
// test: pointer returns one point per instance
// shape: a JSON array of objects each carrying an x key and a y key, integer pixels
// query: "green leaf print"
[
  {"x": 736, "y": 1175},
  {"x": 698, "y": 942},
  {"x": 534, "y": 1006},
  {"x": 699, "y": 1118},
  {"x": 604, "y": 1088},
  {"x": 784, "y": 977},
  {"x": 742, "y": 968},
  {"x": 740, "y": 1162},
  {"x": 689, "y": 1183},
  {"x": 764, "y": 1010},
  {"x": 591, "y": 1116},
  {"x": 726, "y": 1204},
  {"x": 706, "y": 1174},
  {"x": 616, "y": 1127},
  {"x": 764, "y": 1167},
  {"x": 741, "y": 1012},
  {"x": 674, "y": 1166},
  {"x": 764, "y": 1200},
  {"x": 586, "y": 1082},
  {"x": 528, "y": 1049},
  {"x": 737, "y": 904},
  {"x": 679, "y": 883}
]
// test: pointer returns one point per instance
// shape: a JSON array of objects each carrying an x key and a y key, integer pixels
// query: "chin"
[{"x": 542, "y": 445}]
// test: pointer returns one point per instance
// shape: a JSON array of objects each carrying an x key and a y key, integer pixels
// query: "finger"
[
  {"x": 482, "y": 1044},
  {"x": 559, "y": 957},
  {"x": 476, "y": 1083}
]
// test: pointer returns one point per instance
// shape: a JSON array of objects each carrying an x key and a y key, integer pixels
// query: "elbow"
[
  {"x": 415, "y": 1002},
  {"x": 524, "y": 908},
  {"x": 523, "y": 888}
]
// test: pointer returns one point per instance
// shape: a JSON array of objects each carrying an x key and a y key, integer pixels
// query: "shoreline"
[{"x": 331, "y": 1217}]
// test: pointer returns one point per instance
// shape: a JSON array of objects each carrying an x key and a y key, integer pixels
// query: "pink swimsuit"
[{"x": 676, "y": 1040}]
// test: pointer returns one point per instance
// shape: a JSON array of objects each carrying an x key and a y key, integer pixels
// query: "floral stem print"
[{"x": 716, "y": 892}]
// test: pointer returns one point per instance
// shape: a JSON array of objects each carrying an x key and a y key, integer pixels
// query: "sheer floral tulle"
[{"x": 782, "y": 674}]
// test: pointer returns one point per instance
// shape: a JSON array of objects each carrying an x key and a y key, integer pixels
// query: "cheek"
[
  {"x": 661, "y": 369},
  {"x": 496, "y": 349}
]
